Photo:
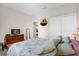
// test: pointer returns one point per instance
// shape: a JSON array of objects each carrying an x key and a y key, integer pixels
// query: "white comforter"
[{"x": 26, "y": 48}]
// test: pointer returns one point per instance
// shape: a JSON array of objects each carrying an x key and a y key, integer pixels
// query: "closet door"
[
  {"x": 68, "y": 24},
  {"x": 63, "y": 25},
  {"x": 54, "y": 27}
]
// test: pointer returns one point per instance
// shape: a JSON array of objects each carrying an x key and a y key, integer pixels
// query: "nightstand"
[{"x": 1, "y": 46}]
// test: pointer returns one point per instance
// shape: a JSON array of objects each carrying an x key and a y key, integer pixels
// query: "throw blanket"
[{"x": 27, "y": 48}]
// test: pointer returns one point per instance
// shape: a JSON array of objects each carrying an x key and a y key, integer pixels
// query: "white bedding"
[{"x": 27, "y": 48}]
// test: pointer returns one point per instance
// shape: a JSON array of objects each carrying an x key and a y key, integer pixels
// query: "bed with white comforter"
[{"x": 33, "y": 47}]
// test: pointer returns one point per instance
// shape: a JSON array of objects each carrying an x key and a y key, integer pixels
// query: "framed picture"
[{"x": 15, "y": 31}]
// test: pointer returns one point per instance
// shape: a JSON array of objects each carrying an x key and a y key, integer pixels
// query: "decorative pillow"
[
  {"x": 47, "y": 47},
  {"x": 66, "y": 40},
  {"x": 65, "y": 49},
  {"x": 57, "y": 40},
  {"x": 60, "y": 38}
]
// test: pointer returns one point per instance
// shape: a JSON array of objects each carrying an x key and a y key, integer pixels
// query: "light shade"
[{"x": 43, "y": 22}]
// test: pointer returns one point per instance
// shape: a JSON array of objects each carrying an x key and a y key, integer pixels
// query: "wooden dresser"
[{"x": 10, "y": 39}]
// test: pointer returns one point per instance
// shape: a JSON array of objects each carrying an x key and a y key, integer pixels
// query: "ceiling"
[{"x": 34, "y": 9}]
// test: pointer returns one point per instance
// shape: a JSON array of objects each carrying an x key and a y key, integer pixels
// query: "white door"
[
  {"x": 68, "y": 24},
  {"x": 62, "y": 25},
  {"x": 54, "y": 27}
]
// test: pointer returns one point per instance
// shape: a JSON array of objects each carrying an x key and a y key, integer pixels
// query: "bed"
[
  {"x": 33, "y": 47},
  {"x": 42, "y": 47}
]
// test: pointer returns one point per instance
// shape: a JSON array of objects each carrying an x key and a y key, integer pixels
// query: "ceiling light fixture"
[{"x": 43, "y": 22}]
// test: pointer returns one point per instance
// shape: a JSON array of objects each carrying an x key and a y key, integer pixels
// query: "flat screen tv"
[{"x": 15, "y": 31}]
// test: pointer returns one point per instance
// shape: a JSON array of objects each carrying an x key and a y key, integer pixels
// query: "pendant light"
[{"x": 43, "y": 22}]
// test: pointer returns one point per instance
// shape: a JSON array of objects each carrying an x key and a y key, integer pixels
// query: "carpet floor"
[{"x": 3, "y": 53}]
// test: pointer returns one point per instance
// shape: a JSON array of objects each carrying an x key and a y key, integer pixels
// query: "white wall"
[
  {"x": 69, "y": 24},
  {"x": 10, "y": 19},
  {"x": 54, "y": 27},
  {"x": 77, "y": 12},
  {"x": 62, "y": 25}
]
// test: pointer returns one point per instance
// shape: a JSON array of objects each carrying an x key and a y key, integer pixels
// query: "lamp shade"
[{"x": 43, "y": 22}]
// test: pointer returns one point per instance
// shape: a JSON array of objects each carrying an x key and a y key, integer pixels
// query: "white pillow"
[
  {"x": 66, "y": 48},
  {"x": 56, "y": 41},
  {"x": 66, "y": 39}
]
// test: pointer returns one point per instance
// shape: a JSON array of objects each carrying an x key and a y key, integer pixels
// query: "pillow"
[
  {"x": 66, "y": 40},
  {"x": 65, "y": 49},
  {"x": 57, "y": 40},
  {"x": 60, "y": 38},
  {"x": 47, "y": 47}
]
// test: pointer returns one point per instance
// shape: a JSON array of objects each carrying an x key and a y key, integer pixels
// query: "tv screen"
[{"x": 15, "y": 31}]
